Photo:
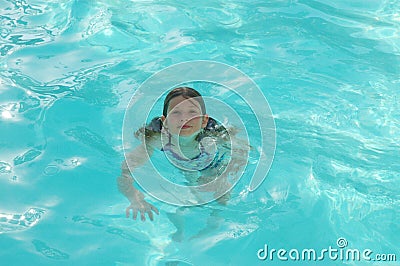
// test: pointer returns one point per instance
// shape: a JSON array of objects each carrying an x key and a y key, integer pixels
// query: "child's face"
[{"x": 184, "y": 117}]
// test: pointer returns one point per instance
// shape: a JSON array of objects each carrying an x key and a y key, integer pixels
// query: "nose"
[{"x": 186, "y": 117}]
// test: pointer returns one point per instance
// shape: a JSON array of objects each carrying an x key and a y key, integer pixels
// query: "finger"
[
  {"x": 150, "y": 213},
  {"x": 134, "y": 214},
  {"x": 127, "y": 212},
  {"x": 154, "y": 209},
  {"x": 142, "y": 216}
]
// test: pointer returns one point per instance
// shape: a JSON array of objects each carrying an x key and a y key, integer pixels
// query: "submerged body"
[{"x": 191, "y": 141}]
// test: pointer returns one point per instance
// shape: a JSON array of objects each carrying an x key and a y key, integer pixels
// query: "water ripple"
[
  {"x": 25, "y": 24},
  {"x": 18, "y": 222},
  {"x": 49, "y": 252},
  {"x": 90, "y": 138},
  {"x": 125, "y": 234},
  {"x": 5, "y": 168},
  {"x": 28, "y": 156}
]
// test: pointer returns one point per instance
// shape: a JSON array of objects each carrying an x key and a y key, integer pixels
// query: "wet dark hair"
[
  {"x": 155, "y": 124},
  {"x": 187, "y": 93}
]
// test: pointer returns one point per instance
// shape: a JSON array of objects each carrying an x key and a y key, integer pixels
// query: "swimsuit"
[{"x": 203, "y": 161}]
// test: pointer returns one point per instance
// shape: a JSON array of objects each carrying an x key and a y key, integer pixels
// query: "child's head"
[
  {"x": 195, "y": 103},
  {"x": 184, "y": 112}
]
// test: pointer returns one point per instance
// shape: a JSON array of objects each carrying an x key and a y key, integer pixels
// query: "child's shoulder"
[
  {"x": 153, "y": 141},
  {"x": 150, "y": 134}
]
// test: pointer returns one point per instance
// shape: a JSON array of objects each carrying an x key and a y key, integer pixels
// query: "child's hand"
[{"x": 138, "y": 204}]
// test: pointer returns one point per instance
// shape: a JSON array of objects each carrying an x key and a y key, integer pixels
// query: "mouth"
[{"x": 185, "y": 127}]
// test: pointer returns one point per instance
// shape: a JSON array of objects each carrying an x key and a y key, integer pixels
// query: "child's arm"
[
  {"x": 125, "y": 182},
  {"x": 234, "y": 165}
]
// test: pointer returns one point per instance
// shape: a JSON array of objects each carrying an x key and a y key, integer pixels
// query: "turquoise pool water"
[{"x": 330, "y": 72}]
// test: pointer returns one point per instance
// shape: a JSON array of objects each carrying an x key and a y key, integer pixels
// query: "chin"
[{"x": 185, "y": 134}]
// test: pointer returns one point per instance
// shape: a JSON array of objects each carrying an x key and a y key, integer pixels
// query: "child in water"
[{"x": 183, "y": 132}]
